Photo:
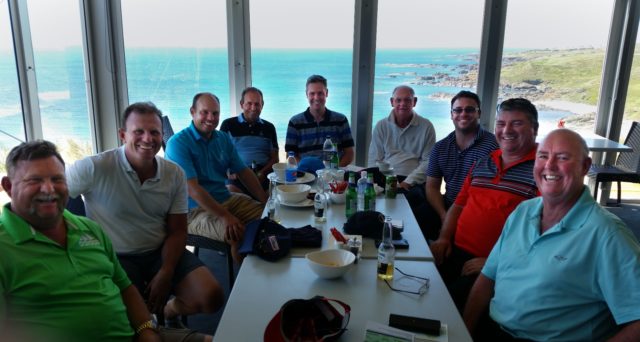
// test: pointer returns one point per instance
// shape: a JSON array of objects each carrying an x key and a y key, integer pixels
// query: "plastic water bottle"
[
  {"x": 327, "y": 152},
  {"x": 386, "y": 252},
  {"x": 291, "y": 170},
  {"x": 273, "y": 204},
  {"x": 362, "y": 187},
  {"x": 320, "y": 207},
  {"x": 370, "y": 194},
  {"x": 351, "y": 203}
]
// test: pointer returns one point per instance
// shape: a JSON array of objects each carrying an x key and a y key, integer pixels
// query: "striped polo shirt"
[
  {"x": 305, "y": 136},
  {"x": 254, "y": 141},
  {"x": 489, "y": 194},
  {"x": 447, "y": 161}
]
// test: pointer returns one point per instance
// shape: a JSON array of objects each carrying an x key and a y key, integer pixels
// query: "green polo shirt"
[{"x": 70, "y": 294}]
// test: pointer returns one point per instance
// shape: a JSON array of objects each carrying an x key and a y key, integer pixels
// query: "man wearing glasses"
[
  {"x": 452, "y": 157},
  {"x": 404, "y": 140},
  {"x": 493, "y": 188}
]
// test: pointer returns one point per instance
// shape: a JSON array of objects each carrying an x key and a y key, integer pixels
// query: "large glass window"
[
  {"x": 11, "y": 122},
  {"x": 12, "y": 127},
  {"x": 432, "y": 46},
  {"x": 553, "y": 55},
  {"x": 292, "y": 40},
  {"x": 173, "y": 50},
  {"x": 57, "y": 46}
]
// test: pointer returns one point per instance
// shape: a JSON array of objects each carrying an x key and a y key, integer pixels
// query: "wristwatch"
[{"x": 150, "y": 324}]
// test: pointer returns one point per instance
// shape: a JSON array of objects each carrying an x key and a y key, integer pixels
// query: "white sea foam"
[
  {"x": 54, "y": 95},
  {"x": 10, "y": 110}
]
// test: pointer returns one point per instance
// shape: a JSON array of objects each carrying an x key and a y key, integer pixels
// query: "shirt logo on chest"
[{"x": 87, "y": 240}]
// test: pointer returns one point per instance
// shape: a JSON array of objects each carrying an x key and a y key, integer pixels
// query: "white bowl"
[
  {"x": 330, "y": 263},
  {"x": 293, "y": 193},
  {"x": 278, "y": 169},
  {"x": 338, "y": 198}
]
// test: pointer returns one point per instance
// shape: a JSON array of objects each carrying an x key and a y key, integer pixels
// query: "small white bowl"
[
  {"x": 279, "y": 170},
  {"x": 293, "y": 193},
  {"x": 338, "y": 198},
  {"x": 330, "y": 263}
]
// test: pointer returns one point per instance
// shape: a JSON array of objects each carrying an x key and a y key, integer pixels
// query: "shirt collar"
[
  {"x": 577, "y": 216},
  {"x": 126, "y": 166},
  {"x": 21, "y": 231},
  {"x": 197, "y": 136},
  {"x": 413, "y": 122},
  {"x": 241, "y": 119},
  {"x": 310, "y": 118}
]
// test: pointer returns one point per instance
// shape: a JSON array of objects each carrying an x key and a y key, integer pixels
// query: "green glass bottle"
[{"x": 351, "y": 201}]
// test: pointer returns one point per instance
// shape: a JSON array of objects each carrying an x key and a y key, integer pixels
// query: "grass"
[{"x": 570, "y": 75}]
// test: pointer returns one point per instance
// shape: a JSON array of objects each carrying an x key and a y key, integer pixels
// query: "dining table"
[{"x": 262, "y": 287}]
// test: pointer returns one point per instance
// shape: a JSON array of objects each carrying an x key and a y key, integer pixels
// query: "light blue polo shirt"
[
  {"x": 205, "y": 159},
  {"x": 576, "y": 282}
]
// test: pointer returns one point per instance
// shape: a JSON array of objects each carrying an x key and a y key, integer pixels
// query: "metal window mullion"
[
  {"x": 363, "y": 70},
  {"x": 239, "y": 43},
  {"x": 25, "y": 64},
  {"x": 105, "y": 69},
  {"x": 490, "y": 63}
]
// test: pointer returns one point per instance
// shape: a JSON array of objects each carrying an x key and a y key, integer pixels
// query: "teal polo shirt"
[
  {"x": 576, "y": 282},
  {"x": 59, "y": 294},
  {"x": 205, "y": 159}
]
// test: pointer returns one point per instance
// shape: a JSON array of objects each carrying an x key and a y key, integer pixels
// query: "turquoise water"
[{"x": 170, "y": 78}]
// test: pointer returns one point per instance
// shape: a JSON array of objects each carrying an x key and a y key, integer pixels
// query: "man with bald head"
[
  {"x": 206, "y": 154},
  {"x": 403, "y": 139},
  {"x": 563, "y": 268}
]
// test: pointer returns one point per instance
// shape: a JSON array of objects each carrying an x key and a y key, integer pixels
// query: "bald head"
[{"x": 562, "y": 161}]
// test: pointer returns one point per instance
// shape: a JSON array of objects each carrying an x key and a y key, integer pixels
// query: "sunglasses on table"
[
  {"x": 468, "y": 110},
  {"x": 421, "y": 290}
]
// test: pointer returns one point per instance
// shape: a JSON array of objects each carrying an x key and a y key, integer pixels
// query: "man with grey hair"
[
  {"x": 403, "y": 139},
  {"x": 564, "y": 268}
]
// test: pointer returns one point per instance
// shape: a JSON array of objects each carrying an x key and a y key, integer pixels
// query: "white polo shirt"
[{"x": 132, "y": 214}]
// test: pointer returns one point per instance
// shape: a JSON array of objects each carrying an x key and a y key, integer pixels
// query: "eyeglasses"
[
  {"x": 421, "y": 290},
  {"x": 468, "y": 110}
]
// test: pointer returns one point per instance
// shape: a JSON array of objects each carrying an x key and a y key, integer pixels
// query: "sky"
[{"x": 327, "y": 24}]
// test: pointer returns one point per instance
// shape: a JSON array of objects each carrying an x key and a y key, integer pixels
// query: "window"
[
  {"x": 553, "y": 55},
  {"x": 57, "y": 46},
  {"x": 432, "y": 46},
  {"x": 12, "y": 129},
  {"x": 292, "y": 40},
  {"x": 177, "y": 51}
]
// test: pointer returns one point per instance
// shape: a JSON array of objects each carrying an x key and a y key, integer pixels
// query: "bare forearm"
[
  {"x": 204, "y": 199},
  {"x": 268, "y": 167},
  {"x": 136, "y": 309},
  {"x": 478, "y": 302},
  {"x": 347, "y": 157},
  {"x": 631, "y": 332},
  {"x": 175, "y": 241},
  {"x": 450, "y": 222},
  {"x": 250, "y": 181},
  {"x": 434, "y": 197}
]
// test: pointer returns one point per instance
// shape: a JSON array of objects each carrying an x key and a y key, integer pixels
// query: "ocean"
[{"x": 170, "y": 78}]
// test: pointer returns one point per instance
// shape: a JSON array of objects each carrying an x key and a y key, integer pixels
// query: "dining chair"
[{"x": 626, "y": 167}]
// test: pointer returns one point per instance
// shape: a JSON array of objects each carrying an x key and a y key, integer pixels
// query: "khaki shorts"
[{"x": 209, "y": 225}]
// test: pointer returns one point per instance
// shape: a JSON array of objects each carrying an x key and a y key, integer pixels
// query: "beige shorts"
[{"x": 209, "y": 225}]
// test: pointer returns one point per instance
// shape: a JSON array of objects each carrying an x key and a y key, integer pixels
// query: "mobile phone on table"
[{"x": 416, "y": 324}]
